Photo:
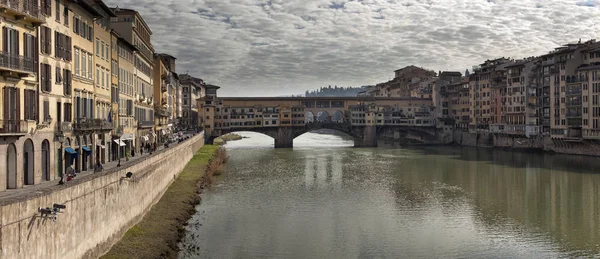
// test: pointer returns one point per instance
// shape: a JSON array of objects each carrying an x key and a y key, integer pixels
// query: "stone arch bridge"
[{"x": 366, "y": 119}]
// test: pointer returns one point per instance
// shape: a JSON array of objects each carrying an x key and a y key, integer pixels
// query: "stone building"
[{"x": 192, "y": 88}]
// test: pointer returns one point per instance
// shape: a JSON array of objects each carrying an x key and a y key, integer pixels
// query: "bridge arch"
[
  {"x": 310, "y": 117},
  {"x": 337, "y": 117},
  {"x": 323, "y": 116}
]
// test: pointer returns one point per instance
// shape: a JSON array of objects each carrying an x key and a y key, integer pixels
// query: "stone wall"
[{"x": 99, "y": 208}]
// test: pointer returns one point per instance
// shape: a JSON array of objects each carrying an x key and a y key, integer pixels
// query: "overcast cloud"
[{"x": 280, "y": 47}]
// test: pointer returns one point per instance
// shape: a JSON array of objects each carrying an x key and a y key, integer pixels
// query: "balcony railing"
[
  {"x": 145, "y": 124},
  {"x": 573, "y": 91},
  {"x": 162, "y": 112},
  {"x": 16, "y": 63},
  {"x": 64, "y": 127},
  {"x": 13, "y": 127},
  {"x": 85, "y": 124},
  {"x": 23, "y": 8},
  {"x": 574, "y": 114}
]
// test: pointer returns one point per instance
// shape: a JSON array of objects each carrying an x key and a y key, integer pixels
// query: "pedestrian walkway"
[{"x": 109, "y": 166}]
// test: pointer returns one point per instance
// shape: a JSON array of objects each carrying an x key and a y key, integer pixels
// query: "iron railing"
[
  {"x": 13, "y": 127},
  {"x": 28, "y": 7},
  {"x": 145, "y": 124},
  {"x": 85, "y": 124},
  {"x": 16, "y": 62}
]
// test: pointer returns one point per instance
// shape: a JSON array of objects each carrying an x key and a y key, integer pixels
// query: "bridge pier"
[
  {"x": 285, "y": 138},
  {"x": 369, "y": 138}
]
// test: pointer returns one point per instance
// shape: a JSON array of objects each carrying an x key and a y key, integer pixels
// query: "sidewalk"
[{"x": 41, "y": 187}]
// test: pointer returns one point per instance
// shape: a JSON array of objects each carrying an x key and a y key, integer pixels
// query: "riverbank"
[
  {"x": 222, "y": 140},
  {"x": 158, "y": 233}
]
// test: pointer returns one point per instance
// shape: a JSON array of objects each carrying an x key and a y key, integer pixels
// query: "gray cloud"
[{"x": 277, "y": 47}]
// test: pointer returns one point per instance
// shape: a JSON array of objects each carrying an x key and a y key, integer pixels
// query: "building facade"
[{"x": 192, "y": 88}]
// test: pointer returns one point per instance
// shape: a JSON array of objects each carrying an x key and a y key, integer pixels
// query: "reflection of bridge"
[{"x": 365, "y": 119}]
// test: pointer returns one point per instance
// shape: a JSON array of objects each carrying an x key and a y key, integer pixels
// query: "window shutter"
[
  {"x": 16, "y": 43},
  {"x": 5, "y": 41},
  {"x": 43, "y": 77},
  {"x": 26, "y": 106},
  {"x": 49, "y": 40},
  {"x": 6, "y": 105},
  {"x": 47, "y": 110},
  {"x": 36, "y": 50},
  {"x": 43, "y": 39},
  {"x": 35, "y": 105}
]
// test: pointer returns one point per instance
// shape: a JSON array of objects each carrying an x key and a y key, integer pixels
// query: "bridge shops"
[{"x": 286, "y": 118}]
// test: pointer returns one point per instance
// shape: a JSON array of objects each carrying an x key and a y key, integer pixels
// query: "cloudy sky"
[{"x": 281, "y": 47}]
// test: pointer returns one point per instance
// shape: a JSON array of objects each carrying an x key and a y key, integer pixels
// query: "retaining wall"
[{"x": 99, "y": 208}]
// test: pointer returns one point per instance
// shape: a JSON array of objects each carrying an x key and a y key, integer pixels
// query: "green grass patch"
[{"x": 159, "y": 232}]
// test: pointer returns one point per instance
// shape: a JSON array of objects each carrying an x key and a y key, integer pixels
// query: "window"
[
  {"x": 90, "y": 76},
  {"x": 46, "y": 6},
  {"x": 46, "y": 111},
  {"x": 30, "y": 105},
  {"x": 76, "y": 25},
  {"x": 102, "y": 49},
  {"x": 83, "y": 63},
  {"x": 57, "y": 14},
  {"x": 106, "y": 48},
  {"x": 46, "y": 77},
  {"x": 66, "y": 15},
  {"x": 97, "y": 47},
  {"x": 58, "y": 73},
  {"x": 76, "y": 61},
  {"x": 102, "y": 78},
  {"x": 46, "y": 40},
  {"x": 67, "y": 82},
  {"x": 97, "y": 78},
  {"x": 67, "y": 112}
]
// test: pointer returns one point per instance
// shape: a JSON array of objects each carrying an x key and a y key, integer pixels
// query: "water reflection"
[{"x": 397, "y": 202}]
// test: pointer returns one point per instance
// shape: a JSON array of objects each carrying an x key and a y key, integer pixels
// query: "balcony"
[
  {"x": 574, "y": 114},
  {"x": 85, "y": 124},
  {"x": 23, "y": 66},
  {"x": 548, "y": 62},
  {"x": 13, "y": 127},
  {"x": 23, "y": 10},
  {"x": 574, "y": 91},
  {"x": 162, "y": 112},
  {"x": 145, "y": 124},
  {"x": 63, "y": 127}
]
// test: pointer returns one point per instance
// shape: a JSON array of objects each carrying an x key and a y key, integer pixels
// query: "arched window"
[
  {"x": 28, "y": 162},
  {"x": 45, "y": 160},
  {"x": 11, "y": 167}
]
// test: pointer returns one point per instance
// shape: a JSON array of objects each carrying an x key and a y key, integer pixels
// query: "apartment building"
[
  {"x": 103, "y": 80},
  {"x": 588, "y": 74},
  {"x": 486, "y": 85},
  {"x": 55, "y": 93},
  {"x": 440, "y": 99},
  {"x": 22, "y": 163},
  {"x": 126, "y": 121},
  {"x": 457, "y": 101},
  {"x": 519, "y": 100},
  {"x": 117, "y": 131},
  {"x": 131, "y": 26},
  {"x": 166, "y": 82},
  {"x": 192, "y": 89}
]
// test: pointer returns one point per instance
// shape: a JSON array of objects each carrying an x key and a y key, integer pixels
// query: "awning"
[
  {"x": 86, "y": 149},
  {"x": 145, "y": 138},
  {"x": 70, "y": 151},
  {"x": 169, "y": 125},
  {"x": 120, "y": 142},
  {"x": 127, "y": 137}
]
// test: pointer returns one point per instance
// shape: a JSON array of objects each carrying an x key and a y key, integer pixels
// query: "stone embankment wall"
[
  {"x": 545, "y": 143},
  {"x": 99, "y": 208}
]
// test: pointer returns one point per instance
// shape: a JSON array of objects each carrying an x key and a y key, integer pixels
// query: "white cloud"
[{"x": 277, "y": 47}]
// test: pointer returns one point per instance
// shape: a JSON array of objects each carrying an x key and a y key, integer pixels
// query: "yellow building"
[
  {"x": 22, "y": 163},
  {"x": 117, "y": 132},
  {"x": 126, "y": 120},
  {"x": 165, "y": 95}
]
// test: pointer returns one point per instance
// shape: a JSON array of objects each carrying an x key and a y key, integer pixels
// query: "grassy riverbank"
[
  {"x": 222, "y": 140},
  {"x": 159, "y": 232}
]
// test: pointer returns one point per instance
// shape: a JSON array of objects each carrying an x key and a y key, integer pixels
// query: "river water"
[{"x": 325, "y": 199}]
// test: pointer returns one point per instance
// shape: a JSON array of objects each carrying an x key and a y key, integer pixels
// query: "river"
[{"x": 325, "y": 199}]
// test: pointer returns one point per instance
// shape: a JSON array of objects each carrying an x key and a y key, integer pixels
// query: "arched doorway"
[
  {"x": 323, "y": 116},
  {"x": 46, "y": 160},
  {"x": 28, "y": 160},
  {"x": 310, "y": 117},
  {"x": 338, "y": 117},
  {"x": 11, "y": 167}
]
